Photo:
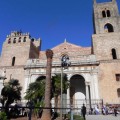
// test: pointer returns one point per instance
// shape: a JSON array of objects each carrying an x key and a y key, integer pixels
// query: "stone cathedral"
[{"x": 94, "y": 73}]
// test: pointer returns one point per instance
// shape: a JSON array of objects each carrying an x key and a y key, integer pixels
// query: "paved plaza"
[
  {"x": 88, "y": 117},
  {"x": 102, "y": 117}
]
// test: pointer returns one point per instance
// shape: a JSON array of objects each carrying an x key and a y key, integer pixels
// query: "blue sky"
[{"x": 50, "y": 20}]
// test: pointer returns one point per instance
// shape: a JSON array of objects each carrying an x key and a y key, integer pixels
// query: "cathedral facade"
[{"x": 94, "y": 73}]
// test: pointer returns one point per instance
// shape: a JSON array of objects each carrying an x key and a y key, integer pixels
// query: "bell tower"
[
  {"x": 106, "y": 47},
  {"x": 106, "y": 21},
  {"x": 106, "y": 17},
  {"x": 17, "y": 48}
]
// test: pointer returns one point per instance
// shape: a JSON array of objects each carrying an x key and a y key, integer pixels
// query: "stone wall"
[{"x": 107, "y": 81}]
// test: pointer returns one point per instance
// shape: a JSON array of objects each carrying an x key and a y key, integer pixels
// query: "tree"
[
  {"x": 10, "y": 93},
  {"x": 36, "y": 91},
  {"x": 47, "y": 112},
  {"x": 56, "y": 85}
]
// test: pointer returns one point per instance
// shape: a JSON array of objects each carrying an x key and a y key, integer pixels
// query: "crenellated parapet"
[{"x": 18, "y": 37}]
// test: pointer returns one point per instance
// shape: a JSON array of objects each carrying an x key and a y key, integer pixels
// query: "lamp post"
[{"x": 64, "y": 65}]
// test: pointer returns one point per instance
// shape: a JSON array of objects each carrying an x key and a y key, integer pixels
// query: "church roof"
[{"x": 68, "y": 48}]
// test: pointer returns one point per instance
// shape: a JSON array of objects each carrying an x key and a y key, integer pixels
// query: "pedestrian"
[
  {"x": 107, "y": 109},
  {"x": 115, "y": 111},
  {"x": 91, "y": 110},
  {"x": 97, "y": 110},
  {"x": 83, "y": 111},
  {"x": 103, "y": 110}
]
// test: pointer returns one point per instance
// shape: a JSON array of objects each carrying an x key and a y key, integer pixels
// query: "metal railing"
[
  {"x": 31, "y": 112},
  {"x": 68, "y": 110}
]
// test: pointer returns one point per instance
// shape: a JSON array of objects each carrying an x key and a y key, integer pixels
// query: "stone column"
[
  {"x": 47, "y": 112},
  {"x": 87, "y": 91},
  {"x": 96, "y": 87},
  {"x": 68, "y": 92},
  {"x": 87, "y": 96},
  {"x": 68, "y": 97}
]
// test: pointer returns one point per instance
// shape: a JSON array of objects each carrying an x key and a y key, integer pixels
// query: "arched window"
[
  {"x": 14, "y": 41},
  {"x": 103, "y": 14},
  {"x": 19, "y": 39},
  {"x": 114, "y": 56},
  {"x": 108, "y": 27},
  {"x": 108, "y": 13},
  {"x": 24, "y": 40},
  {"x": 118, "y": 92},
  {"x": 117, "y": 77},
  {"x": 13, "y": 61},
  {"x": 9, "y": 41},
  {"x": 65, "y": 61}
]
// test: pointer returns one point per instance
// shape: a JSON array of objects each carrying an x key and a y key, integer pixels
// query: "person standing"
[
  {"x": 84, "y": 111},
  {"x": 115, "y": 111}
]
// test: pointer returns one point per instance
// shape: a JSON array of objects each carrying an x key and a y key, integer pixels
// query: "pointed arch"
[
  {"x": 114, "y": 55},
  {"x": 108, "y": 27},
  {"x": 13, "y": 61}
]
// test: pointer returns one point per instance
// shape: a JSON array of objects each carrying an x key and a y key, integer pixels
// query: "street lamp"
[{"x": 64, "y": 65}]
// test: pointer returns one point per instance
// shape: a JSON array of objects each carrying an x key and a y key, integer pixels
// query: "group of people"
[
  {"x": 106, "y": 110},
  {"x": 96, "y": 110}
]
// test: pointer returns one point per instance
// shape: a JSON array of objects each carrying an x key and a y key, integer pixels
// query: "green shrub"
[
  {"x": 77, "y": 117},
  {"x": 3, "y": 116}
]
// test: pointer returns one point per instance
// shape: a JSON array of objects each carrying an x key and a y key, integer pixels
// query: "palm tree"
[
  {"x": 56, "y": 85},
  {"x": 10, "y": 93},
  {"x": 47, "y": 112},
  {"x": 35, "y": 91}
]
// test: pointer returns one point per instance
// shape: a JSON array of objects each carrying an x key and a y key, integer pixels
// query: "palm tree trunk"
[{"x": 47, "y": 112}]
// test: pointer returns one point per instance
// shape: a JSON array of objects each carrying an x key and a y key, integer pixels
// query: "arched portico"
[{"x": 77, "y": 90}]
